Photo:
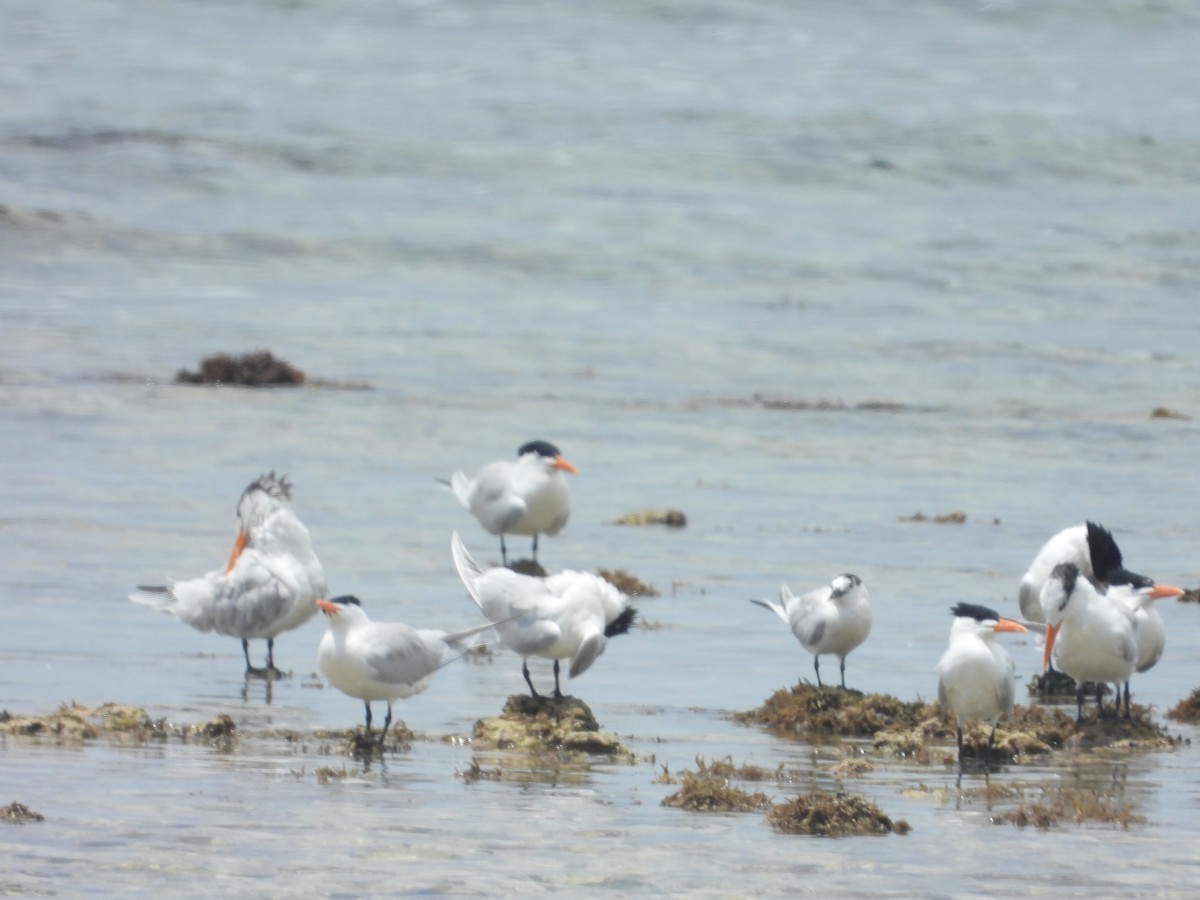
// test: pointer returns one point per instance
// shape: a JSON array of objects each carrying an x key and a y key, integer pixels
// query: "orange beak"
[
  {"x": 1051, "y": 631},
  {"x": 560, "y": 463},
  {"x": 330, "y": 609},
  {"x": 1008, "y": 625},
  {"x": 238, "y": 546},
  {"x": 1165, "y": 590}
]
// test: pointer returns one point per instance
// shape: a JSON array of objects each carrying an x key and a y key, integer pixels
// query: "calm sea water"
[{"x": 798, "y": 270}]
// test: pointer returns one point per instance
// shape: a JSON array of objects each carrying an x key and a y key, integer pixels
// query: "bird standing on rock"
[
  {"x": 381, "y": 660},
  {"x": 525, "y": 496},
  {"x": 570, "y": 615},
  {"x": 976, "y": 676},
  {"x": 269, "y": 585},
  {"x": 829, "y": 620}
]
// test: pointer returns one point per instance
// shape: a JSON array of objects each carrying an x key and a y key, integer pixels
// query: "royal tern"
[
  {"x": 523, "y": 496},
  {"x": 1151, "y": 630},
  {"x": 570, "y": 615},
  {"x": 381, "y": 660},
  {"x": 269, "y": 585},
  {"x": 832, "y": 619},
  {"x": 1094, "y": 553},
  {"x": 1092, "y": 636},
  {"x": 976, "y": 676}
]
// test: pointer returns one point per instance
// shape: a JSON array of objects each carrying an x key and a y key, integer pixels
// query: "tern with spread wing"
[
  {"x": 833, "y": 619},
  {"x": 526, "y": 496},
  {"x": 570, "y": 615},
  {"x": 270, "y": 584}
]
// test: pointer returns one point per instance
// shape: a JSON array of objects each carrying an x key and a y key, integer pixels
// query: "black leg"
[
  {"x": 246, "y": 653},
  {"x": 1128, "y": 711},
  {"x": 987, "y": 761},
  {"x": 387, "y": 723},
  {"x": 557, "y": 692},
  {"x": 528, "y": 680},
  {"x": 1100, "y": 699},
  {"x": 503, "y": 552},
  {"x": 368, "y": 708},
  {"x": 817, "y": 669},
  {"x": 535, "y": 548},
  {"x": 843, "y": 673},
  {"x": 1079, "y": 703},
  {"x": 958, "y": 728}
]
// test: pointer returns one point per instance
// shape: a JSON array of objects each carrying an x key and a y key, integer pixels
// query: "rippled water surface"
[{"x": 798, "y": 270}]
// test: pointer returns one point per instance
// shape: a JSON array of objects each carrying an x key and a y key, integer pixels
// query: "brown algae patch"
[
  {"x": 1059, "y": 805},
  {"x": 710, "y": 789},
  {"x": 824, "y": 814},
  {"x": 1186, "y": 710},
  {"x": 951, "y": 518},
  {"x": 258, "y": 369},
  {"x": 672, "y": 518},
  {"x": 627, "y": 584},
  {"x": 74, "y": 722},
  {"x": 19, "y": 814},
  {"x": 806, "y": 709},
  {"x": 358, "y": 743},
  {"x": 546, "y": 724}
]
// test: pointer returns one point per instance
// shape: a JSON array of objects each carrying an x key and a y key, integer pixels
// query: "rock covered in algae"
[
  {"x": 832, "y": 815},
  {"x": 20, "y": 814},
  {"x": 806, "y": 709},
  {"x": 627, "y": 584},
  {"x": 1061, "y": 804},
  {"x": 75, "y": 722},
  {"x": 672, "y": 518},
  {"x": 542, "y": 724},
  {"x": 710, "y": 789},
  {"x": 258, "y": 369},
  {"x": 1186, "y": 710}
]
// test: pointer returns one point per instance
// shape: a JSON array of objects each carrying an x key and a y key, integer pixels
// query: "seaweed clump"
[
  {"x": 832, "y": 815},
  {"x": 546, "y": 724},
  {"x": 20, "y": 814},
  {"x": 627, "y": 584},
  {"x": 73, "y": 722},
  {"x": 806, "y": 709},
  {"x": 257, "y": 369},
  {"x": 1057, "y": 805},
  {"x": 672, "y": 518},
  {"x": 710, "y": 789},
  {"x": 1187, "y": 709}
]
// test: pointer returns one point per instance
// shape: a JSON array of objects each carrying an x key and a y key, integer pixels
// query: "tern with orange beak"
[
  {"x": 976, "y": 676},
  {"x": 382, "y": 660},
  {"x": 570, "y": 615},
  {"x": 1151, "y": 630},
  {"x": 526, "y": 496},
  {"x": 833, "y": 619},
  {"x": 1092, "y": 637},
  {"x": 268, "y": 586}
]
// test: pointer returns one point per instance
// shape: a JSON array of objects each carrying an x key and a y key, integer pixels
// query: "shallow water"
[{"x": 798, "y": 272}]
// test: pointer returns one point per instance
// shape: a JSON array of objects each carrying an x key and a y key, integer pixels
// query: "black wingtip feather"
[{"x": 622, "y": 623}]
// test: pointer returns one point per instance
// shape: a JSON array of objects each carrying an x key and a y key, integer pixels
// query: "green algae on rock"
[
  {"x": 824, "y": 814},
  {"x": 545, "y": 724},
  {"x": 805, "y": 710}
]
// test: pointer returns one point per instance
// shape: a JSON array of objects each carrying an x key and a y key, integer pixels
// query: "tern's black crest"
[
  {"x": 1103, "y": 549},
  {"x": 346, "y": 600},
  {"x": 622, "y": 623},
  {"x": 854, "y": 580},
  {"x": 1068, "y": 574},
  {"x": 541, "y": 448},
  {"x": 974, "y": 611},
  {"x": 1133, "y": 579},
  {"x": 279, "y": 488}
]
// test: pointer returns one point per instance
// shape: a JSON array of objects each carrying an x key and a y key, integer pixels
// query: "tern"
[
  {"x": 1094, "y": 553},
  {"x": 570, "y": 615},
  {"x": 829, "y": 620},
  {"x": 269, "y": 585},
  {"x": 526, "y": 496},
  {"x": 1093, "y": 637},
  {"x": 1151, "y": 630},
  {"x": 381, "y": 660},
  {"x": 976, "y": 676}
]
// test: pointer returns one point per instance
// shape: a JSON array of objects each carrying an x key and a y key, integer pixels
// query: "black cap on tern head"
[
  {"x": 974, "y": 611},
  {"x": 346, "y": 600},
  {"x": 1068, "y": 574},
  {"x": 541, "y": 448}
]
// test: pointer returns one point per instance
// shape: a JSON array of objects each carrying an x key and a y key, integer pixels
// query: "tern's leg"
[
  {"x": 1128, "y": 712},
  {"x": 843, "y": 673},
  {"x": 387, "y": 722},
  {"x": 535, "y": 548},
  {"x": 246, "y": 653},
  {"x": 557, "y": 692},
  {"x": 367, "y": 704},
  {"x": 528, "y": 680},
  {"x": 503, "y": 551},
  {"x": 1100, "y": 699},
  {"x": 817, "y": 669},
  {"x": 987, "y": 761},
  {"x": 1079, "y": 703},
  {"x": 958, "y": 728}
]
